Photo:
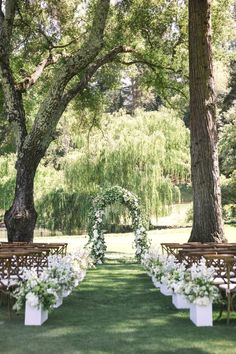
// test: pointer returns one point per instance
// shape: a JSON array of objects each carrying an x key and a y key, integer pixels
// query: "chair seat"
[
  {"x": 218, "y": 281},
  {"x": 231, "y": 286}
]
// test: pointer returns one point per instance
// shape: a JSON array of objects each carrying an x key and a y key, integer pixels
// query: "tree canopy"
[{"x": 75, "y": 56}]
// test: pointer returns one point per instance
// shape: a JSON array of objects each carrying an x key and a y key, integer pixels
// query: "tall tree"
[
  {"x": 71, "y": 77},
  {"x": 207, "y": 214}
]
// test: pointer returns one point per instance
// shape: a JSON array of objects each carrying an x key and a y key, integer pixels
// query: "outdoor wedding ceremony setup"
[
  {"x": 39, "y": 275},
  {"x": 117, "y": 176}
]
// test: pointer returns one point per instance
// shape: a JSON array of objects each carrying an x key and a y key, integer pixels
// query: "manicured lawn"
[
  {"x": 116, "y": 310},
  {"x": 122, "y": 243}
]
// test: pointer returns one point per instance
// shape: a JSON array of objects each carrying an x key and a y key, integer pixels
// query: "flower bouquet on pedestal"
[
  {"x": 177, "y": 281},
  {"x": 153, "y": 263},
  {"x": 61, "y": 269},
  {"x": 38, "y": 294},
  {"x": 81, "y": 261},
  {"x": 69, "y": 271},
  {"x": 201, "y": 293},
  {"x": 168, "y": 269}
]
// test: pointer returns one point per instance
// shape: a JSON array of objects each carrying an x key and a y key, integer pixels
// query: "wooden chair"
[
  {"x": 170, "y": 248},
  {"x": 9, "y": 276},
  {"x": 224, "y": 278},
  {"x": 190, "y": 256}
]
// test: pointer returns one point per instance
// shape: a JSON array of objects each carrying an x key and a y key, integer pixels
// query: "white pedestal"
[
  {"x": 59, "y": 302},
  {"x": 165, "y": 291},
  {"x": 201, "y": 316},
  {"x": 66, "y": 293},
  {"x": 180, "y": 301},
  {"x": 35, "y": 316},
  {"x": 156, "y": 283}
]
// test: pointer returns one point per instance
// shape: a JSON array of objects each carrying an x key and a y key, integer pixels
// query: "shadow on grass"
[{"x": 117, "y": 310}]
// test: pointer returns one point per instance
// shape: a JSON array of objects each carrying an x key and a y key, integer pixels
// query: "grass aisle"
[{"x": 116, "y": 310}]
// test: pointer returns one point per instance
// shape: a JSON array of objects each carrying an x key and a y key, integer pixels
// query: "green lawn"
[{"x": 116, "y": 310}]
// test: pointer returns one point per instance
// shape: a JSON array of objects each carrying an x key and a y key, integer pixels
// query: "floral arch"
[{"x": 95, "y": 230}]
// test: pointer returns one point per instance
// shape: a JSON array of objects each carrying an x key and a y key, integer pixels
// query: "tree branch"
[
  {"x": 30, "y": 80},
  {"x": 9, "y": 16},
  {"x": 13, "y": 100},
  {"x": 50, "y": 109},
  {"x": 50, "y": 43},
  {"x": 90, "y": 71},
  {"x": 152, "y": 65}
]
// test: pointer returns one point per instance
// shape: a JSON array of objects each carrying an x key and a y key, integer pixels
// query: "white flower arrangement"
[
  {"x": 175, "y": 277},
  {"x": 196, "y": 283},
  {"x": 61, "y": 276},
  {"x": 200, "y": 289},
  {"x": 82, "y": 260},
  {"x": 37, "y": 290},
  {"x": 61, "y": 269},
  {"x": 156, "y": 264}
]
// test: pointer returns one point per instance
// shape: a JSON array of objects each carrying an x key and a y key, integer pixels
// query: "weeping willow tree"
[
  {"x": 64, "y": 211},
  {"x": 146, "y": 153}
]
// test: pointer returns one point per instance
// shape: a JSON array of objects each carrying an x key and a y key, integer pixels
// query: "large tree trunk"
[
  {"x": 20, "y": 219},
  {"x": 207, "y": 214}
]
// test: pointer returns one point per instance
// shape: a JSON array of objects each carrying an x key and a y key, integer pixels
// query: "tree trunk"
[
  {"x": 20, "y": 219},
  {"x": 207, "y": 214}
]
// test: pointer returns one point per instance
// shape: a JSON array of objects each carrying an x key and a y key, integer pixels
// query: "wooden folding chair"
[
  {"x": 9, "y": 276},
  {"x": 170, "y": 248},
  {"x": 224, "y": 278}
]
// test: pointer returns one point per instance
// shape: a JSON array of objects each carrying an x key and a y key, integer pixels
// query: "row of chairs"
[
  {"x": 16, "y": 256},
  {"x": 55, "y": 248},
  {"x": 181, "y": 251}
]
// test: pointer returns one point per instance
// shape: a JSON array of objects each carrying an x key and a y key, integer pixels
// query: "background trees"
[
  {"x": 147, "y": 152},
  {"x": 98, "y": 58}
]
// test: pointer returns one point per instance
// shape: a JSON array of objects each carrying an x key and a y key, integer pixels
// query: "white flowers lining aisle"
[
  {"x": 191, "y": 288},
  {"x": 40, "y": 293}
]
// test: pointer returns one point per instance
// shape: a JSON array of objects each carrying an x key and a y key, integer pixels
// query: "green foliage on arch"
[{"x": 96, "y": 237}]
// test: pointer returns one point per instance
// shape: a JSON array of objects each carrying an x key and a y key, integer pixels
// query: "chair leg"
[
  {"x": 6, "y": 295},
  {"x": 222, "y": 304},
  {"x": 232, "y": 301},
  {"x": 220, "y": 312},
  {"x": 9, "y": 306},
  {"x": 229, "y": 305}
]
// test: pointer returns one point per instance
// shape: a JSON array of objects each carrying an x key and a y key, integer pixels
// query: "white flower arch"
[{"x": 95, "y": 230}]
